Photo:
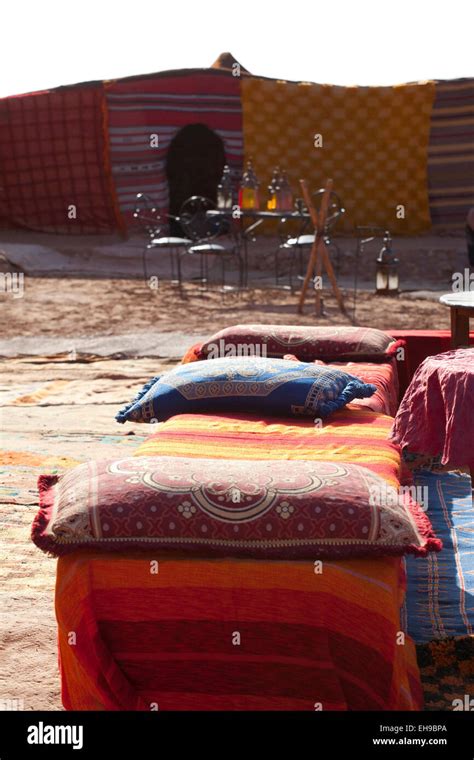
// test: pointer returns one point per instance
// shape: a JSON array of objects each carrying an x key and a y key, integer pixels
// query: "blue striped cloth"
[{"x": 440, "y": 588}]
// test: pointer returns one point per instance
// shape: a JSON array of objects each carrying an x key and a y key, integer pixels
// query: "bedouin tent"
[{"x": 72, "y": 159}]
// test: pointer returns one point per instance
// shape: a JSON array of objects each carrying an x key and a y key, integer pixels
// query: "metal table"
[{"x": 258, "y": 216}]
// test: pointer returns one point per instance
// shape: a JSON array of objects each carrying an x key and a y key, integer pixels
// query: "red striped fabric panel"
[
  {"x": 162, "y": 105},
  {"x": 168, "y": 639},
  {"x": 53, "y": 156},
  {"x": 293, "y": 644},
  {"x": 451, "y": 154}
]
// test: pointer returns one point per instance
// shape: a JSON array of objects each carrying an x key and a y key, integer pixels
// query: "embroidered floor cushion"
[
  {"x": 273, "y": 386},
  {"x": 337, "y": 343},
  {"x": 269, "y": 509}
]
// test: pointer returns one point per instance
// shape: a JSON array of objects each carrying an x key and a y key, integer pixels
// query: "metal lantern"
[{"x": 386, "y": 273}]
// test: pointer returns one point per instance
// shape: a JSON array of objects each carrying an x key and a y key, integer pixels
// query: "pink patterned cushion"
[
  {"x": 268, "y": 509},
  {"x": 307, "y": 343}
]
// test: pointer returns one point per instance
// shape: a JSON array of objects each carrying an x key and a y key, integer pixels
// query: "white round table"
[{"x": 462, "y": 309}]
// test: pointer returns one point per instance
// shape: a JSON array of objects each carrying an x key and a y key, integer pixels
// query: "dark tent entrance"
[{"x": 194, "y": 164}]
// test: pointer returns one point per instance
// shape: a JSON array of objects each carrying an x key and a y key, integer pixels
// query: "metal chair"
[
  {"x": 203, "y": 229},
  {"x": 153, "y": 223},
  {"x": 295, "y": 247},
  {"x": 302, "y": 242}
]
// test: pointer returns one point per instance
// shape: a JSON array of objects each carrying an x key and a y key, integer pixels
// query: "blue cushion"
[{"x": 245, "y": 384}]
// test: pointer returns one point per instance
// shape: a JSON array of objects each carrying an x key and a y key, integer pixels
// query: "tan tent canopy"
[{"x": 227, "y": 61}]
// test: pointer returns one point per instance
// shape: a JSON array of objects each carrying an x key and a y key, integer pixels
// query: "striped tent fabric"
[
  {"x": 161, "y": 105},
  {"x": 77, "y": 146},
  {"x": 54, "y": 168},
  {"x": 451, "y": 154}
]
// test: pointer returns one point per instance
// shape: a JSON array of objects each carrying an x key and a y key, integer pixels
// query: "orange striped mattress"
[
  {"x": 384, "y": 375},
  {"x": 154, "y": 632},
  {"x": 351, "y": 435},
  {"x": 175, "y": 633}
]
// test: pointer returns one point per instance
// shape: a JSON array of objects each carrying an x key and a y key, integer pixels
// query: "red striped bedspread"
[
  {"x": 165, "y": 633},
  {"x": 352, "y": 435},
  {"x": 175, "y": 633}
]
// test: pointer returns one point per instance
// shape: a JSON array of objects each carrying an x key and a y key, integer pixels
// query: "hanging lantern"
[{"x": 386, "y": 273}]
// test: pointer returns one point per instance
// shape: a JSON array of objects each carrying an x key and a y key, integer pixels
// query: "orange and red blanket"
[{"x": 148, "y": 631}]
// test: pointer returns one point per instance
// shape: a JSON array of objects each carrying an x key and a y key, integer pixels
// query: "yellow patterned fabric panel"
[{"x": 374, "y": 145}]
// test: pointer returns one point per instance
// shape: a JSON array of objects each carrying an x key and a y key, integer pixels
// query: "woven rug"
[
  {"x": 447, "y": 672},
  {"x": 439, "y": 607},
  {"x": 440, "y": 590}
]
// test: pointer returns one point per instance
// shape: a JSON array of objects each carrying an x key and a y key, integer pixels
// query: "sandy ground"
[
  {"x": 47, "y": 433},
  {"x": 76, "y": 308}
]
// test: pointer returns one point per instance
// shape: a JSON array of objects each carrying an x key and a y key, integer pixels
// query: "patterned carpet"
[
  {"x": 439, "y": 608},
  {"x": 447, "y": 671}
]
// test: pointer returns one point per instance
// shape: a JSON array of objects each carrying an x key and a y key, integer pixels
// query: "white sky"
[{"x": 45, "y": 43}]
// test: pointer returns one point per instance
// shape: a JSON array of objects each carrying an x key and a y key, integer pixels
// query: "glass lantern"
[{"x": 386, "y": 273}]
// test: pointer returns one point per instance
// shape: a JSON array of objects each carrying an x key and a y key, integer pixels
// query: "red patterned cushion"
[
  {"x": 307, "y": 343},
  {"x": 268, "y": 509}
]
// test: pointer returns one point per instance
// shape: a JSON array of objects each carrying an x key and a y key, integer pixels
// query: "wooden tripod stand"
[{"x": 319, "y": 257}]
